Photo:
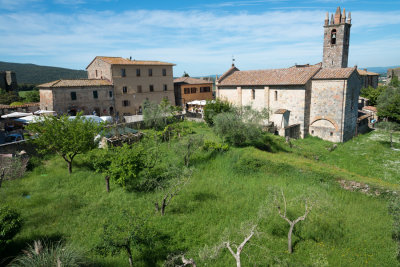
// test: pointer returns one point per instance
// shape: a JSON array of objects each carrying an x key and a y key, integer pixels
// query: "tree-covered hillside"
[{"x": 35, "y": 74}]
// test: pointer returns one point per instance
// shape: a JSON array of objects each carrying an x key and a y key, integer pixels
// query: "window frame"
[{"x": 73, "y": 96}]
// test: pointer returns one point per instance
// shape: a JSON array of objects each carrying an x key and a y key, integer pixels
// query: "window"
[
  {"x": 138, "y": 72},
  {"x": 331, "y": 133},
  {"x": 186, "y": 90},
  {"x": 124, "y": 89},
  {"x": 95, "y": 95},
  {"x": 150, "y": 72},
  {"x": 73, "y": 95},
  {"x": 253, "y": 94},
  {"x": 123, "y": 73},
  {"x": 193, "y": 90},
  {"x": 165, "y": 87},
  {"x": 96, "y": 73},
  {"x": 205, "y": 89},
  {"x": 333, "y": 37},
  {"x": 164, "y": 72},
  {"x": 125, "y": 103},
  {"x": 110, "y": 94},
  {"x": 151, "y": 88},
  {"x": 139, "y": 89},
  {"x": 276, "y": 95},
  {"x": 312, "y": 131}
]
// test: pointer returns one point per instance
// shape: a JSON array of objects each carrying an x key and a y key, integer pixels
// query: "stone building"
[
  {"x": 70, "y": 96},
  {"x": 320, "y": 100},
  {"x": 391, "y": 73},
  {"x": 8, "y": 81},
  {"x": 188, "y": 89},
  {"x": 115, "y": 86},
  {"x": 368, "y": 78}
]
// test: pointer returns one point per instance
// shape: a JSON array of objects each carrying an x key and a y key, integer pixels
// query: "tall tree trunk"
[
  {"x": 107, "y": 178},
  {"x": 391, "y": 139}
]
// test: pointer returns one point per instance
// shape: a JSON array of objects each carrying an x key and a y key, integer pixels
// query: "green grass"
[{"x": 226, "y": 192}]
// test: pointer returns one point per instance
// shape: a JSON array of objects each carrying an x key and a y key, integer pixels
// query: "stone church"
[{"x": 319, "y": 100}]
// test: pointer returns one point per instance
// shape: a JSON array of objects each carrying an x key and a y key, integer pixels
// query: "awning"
[
  {"x": 30, "y": 119},
  {"x": 16, "y": 115}
]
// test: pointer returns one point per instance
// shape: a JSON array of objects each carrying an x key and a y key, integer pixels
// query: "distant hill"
[
  {"x": 35, "y": 74},
  {"x": 381, "y": 70}
]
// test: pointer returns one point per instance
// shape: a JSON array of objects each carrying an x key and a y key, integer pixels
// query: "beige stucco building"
[
  {"x": 319, "y": 100},
  {"x": 115, "y": 86}
]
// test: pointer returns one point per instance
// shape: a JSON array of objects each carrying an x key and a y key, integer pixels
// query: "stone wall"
[
  {"x": 327, "y": 109},
  {"x": 8, "y": 81},
  {"x": 336, "y": 55},
  {"x": 351, "y": 106},
  {"x": 391, "y": 73},
  {"x": 99, "y": 69},
  {"x": 59, "y": 100}
]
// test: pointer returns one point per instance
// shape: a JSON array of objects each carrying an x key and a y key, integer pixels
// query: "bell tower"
[{"x": 336, "y": 40}]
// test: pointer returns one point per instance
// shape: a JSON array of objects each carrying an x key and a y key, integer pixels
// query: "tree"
[
  {"x": 10, "y": 224},
  {"x": 213, "y": 108},
  {"x": 372, "y": 93},
  {"x": 32, "y": 96},
  {"x": 239, "y": 249},
  {"x": 241, "y": 125},
  {"x": 389, "y": 104},
  {"x": 183, "y": 179},
  {"x": 65, "y": 136},
  {"x": 185, "y": 74},
  {"x": 124, "y": 235},
  {"x": 6, "y": 98},
  {"x": 389, "y": 127},
  {"x": 292, "y": 223},
  {"x": 156, "y": 115}
]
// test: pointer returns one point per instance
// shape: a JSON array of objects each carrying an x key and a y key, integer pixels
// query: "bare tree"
[
  {"x": 239, "y": 249},
  {"x": 290, "y": 222},
  {"x": 173, "y": 191}
]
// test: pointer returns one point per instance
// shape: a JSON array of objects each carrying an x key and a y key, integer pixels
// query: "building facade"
[
  {"x": 368, "y": 78},
  {"x": 189, "y": 89},
  {"x": 392, "y": 73},
  {"x": 319, "y": 100},
  {"x": 115, "y": 86}
]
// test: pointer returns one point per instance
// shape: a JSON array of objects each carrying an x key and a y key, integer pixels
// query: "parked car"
[{"x": 14, "y": 138}]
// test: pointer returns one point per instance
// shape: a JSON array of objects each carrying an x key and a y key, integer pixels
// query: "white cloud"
[{"x": 200, "y": 42}]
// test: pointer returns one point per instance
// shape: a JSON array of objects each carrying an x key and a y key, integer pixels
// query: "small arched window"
[
  {"x": 253, "y": 94},
  {"x": 276, "y": 95},
  {"x": 333, "y": 36}
]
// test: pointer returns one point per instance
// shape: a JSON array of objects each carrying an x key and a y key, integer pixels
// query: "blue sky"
[{"x": 200, "y": 37}]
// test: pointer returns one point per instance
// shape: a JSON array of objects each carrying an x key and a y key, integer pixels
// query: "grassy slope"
[{"x": 343, "y": 229}]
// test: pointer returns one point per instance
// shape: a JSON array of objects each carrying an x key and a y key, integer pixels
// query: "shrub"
[
  {"x": 10, "y": 224},
  {"x": 49, "y": 255},
  {"x": 213, "y": 108},
  {"x": 213, "y": 146}
]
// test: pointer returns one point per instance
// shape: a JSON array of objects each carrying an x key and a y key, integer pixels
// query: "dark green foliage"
[
  {"x": 389, "y": 104},
  {"x": 32, "y": 96},
  {"x": 395, "y": 81},
  {"x": 175, "y": 130},
  {"x": 213, "y": 108},
  {"x": 394, "y": 210},
  {"x": 64, "y": 136},
  {"x": 26, "y": 87},
  {"x": 372, "y": 93},
  {"x": 126, "y": 164},
  {"x": 42, "y": 254},
  {"x": 10, "y": 224},
  {"x": 35, "y": 74},
  {"x": 6, "y": 98}
]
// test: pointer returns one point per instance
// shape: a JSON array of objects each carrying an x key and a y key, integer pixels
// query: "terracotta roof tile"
[
  {"x": 190, "y": 80},
  {"x": 125, "y": 61},
  {"x": 364, "y": 72},
  {"x": 75, "y": 83},
  {"x": 370, "y": 108},
  {"x": 336, "y": 73},
  {"x": 20, "y": 106},
  {"x": 289, "y": 76},
  {"x": 280, "y": 111}
]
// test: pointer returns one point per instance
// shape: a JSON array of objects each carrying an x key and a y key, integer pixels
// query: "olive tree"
[
  {"x": 10, "y": 224},
  {"x": 66, "y": 136}
]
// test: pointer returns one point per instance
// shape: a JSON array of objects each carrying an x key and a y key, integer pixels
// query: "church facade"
[{"x": 319, "y": 100}]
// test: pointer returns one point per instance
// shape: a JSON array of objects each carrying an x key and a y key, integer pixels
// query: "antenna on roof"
[{"x": 233, "y": 61}]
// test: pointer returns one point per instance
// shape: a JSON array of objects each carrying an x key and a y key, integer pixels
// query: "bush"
[
  {"x": 10, "y": 224},
  {"x": 213, "y": 108},
  {"x": 49, "y": 255},
  {"x": 158, "y": 116},
  {"x": 213, "y": 146}
]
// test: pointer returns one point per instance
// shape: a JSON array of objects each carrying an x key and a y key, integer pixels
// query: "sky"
[{"x": 200, "y": 37}]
